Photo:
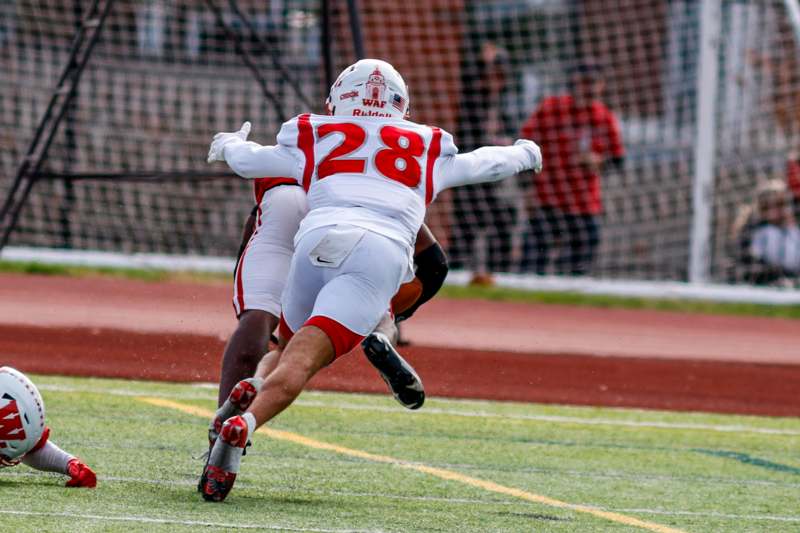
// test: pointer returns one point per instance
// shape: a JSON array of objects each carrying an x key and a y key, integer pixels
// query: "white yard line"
[
  {"x": 173, "y": 521},
  {"x": 455, "y": 501},
  {"x": 556, "y": 419}
]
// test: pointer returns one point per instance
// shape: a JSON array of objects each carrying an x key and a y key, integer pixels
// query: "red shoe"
[
  {"x": 224, "y": 460},
  {"x": 240, "y": 398},
  {"x": 217, "y": 483},
  {"x": 80, "y": 475},
  {"x": 244, "y": 393}
]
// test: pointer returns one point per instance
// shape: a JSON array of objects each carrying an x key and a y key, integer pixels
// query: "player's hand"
[
  {"x": 5, "y": 462},
  {"x": 534, "y": 151},
  {"x": 220, "y": 140}
]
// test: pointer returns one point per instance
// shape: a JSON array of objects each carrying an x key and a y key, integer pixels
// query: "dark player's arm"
[
  {"x": 425, "y": 239},
  {"x": 431, "y": 269}
]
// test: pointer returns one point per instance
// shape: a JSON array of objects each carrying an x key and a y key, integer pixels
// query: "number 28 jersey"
[{"x": 372, "y": 172}]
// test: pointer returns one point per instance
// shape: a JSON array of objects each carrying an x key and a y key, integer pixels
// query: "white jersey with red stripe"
[
  {"x": 262, "y": 185},
  {"x": 375, "y": 172}
]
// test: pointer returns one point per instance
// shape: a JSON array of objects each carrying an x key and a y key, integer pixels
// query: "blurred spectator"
[
  {"x": 151, "y": 28},
  {"x": 793, "y": 180},
  {"x": 479, "y": 208},
  {"x": 579, "y": 137},
  {"x": 767, "y": 237}
]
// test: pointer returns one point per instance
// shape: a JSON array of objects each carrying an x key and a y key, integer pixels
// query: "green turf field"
[{"x": 458, "y": 466}]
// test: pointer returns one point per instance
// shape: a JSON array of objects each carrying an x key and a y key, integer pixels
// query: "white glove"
[
  {"x": 534, "y": 151},
  {"x": 220, "y": 140}
]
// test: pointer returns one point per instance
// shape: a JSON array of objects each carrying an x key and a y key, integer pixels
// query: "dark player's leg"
[
  {"x": 250, "y": 339},
  {"x": 248, "y": 343},
  {"x": 308, "y": 351}
]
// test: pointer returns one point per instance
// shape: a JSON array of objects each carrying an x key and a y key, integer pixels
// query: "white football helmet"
[
  {"x": 369, "y": 88},
  {"x": 21, "y": 414}
]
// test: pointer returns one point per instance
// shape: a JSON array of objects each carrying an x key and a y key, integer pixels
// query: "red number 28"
[{"x": 397, "y": 161}]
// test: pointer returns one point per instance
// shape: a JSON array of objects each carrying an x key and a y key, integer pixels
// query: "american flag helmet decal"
[{"x": 398, "y": 102}]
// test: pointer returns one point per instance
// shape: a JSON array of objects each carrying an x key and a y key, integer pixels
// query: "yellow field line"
[{"x": 437, "y": 472}]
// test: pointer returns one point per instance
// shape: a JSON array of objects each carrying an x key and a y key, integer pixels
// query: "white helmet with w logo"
[
  {"x": 21, "y": 414},
  {"x": 369, "y": 88}
]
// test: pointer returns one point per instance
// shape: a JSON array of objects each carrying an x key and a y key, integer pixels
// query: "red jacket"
[
  {"x": 793, "y": 177},
  {"x": 564, "y": 132}
]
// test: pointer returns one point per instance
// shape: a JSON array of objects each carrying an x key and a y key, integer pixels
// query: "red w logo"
[{"x": 10, "y": 422}]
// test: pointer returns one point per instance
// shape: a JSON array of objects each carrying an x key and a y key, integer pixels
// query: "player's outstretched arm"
[
  {"x": 490, "y": 163},
  {"x": 249, "y": 159}
]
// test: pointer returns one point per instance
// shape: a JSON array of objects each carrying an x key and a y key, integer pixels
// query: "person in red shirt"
[{"x": 579, "y": 137}]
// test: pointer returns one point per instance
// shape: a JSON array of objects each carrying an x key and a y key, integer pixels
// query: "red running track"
[{"x": 101, "y": 326}]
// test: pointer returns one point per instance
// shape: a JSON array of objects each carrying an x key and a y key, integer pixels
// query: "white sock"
[
  {"x": 49, "y": 458},
  {"x": 251, "y": 424}
]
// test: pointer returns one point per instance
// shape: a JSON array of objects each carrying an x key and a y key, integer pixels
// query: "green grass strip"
[
  {"x": 502, "y": 294},
  {"x": 498, "y": 294},
  {"x": 141, "y": 274}
]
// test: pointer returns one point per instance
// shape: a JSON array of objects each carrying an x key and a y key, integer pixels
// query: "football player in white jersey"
[
  {"x": 369, "y": 174},
  {"x": 259, "y": 279},
  {"x": 260, "y": 276},
  {"x": 24, "y": 437},
  {"x": 243, "y": 356}
]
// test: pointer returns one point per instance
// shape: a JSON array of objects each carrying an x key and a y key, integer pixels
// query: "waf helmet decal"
[
  {"x": 374, "y": 89},
  {"x": 10, "y": 421}
]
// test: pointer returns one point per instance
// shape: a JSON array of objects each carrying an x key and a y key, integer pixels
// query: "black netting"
[{"x": 166, "y": 76}]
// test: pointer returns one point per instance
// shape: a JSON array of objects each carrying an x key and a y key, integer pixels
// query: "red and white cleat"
[
  {"x": 80, "y": 475},
  {"x": 224, "y": 460},
  {"x": 240, "y": 398},
  {"x": 244, "y": 393}
]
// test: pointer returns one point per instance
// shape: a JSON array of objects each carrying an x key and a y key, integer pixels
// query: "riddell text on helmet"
[{"x": 370, "y": 113}]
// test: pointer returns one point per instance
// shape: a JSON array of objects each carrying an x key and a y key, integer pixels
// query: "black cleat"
[{"x": 396, "y": 372}]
